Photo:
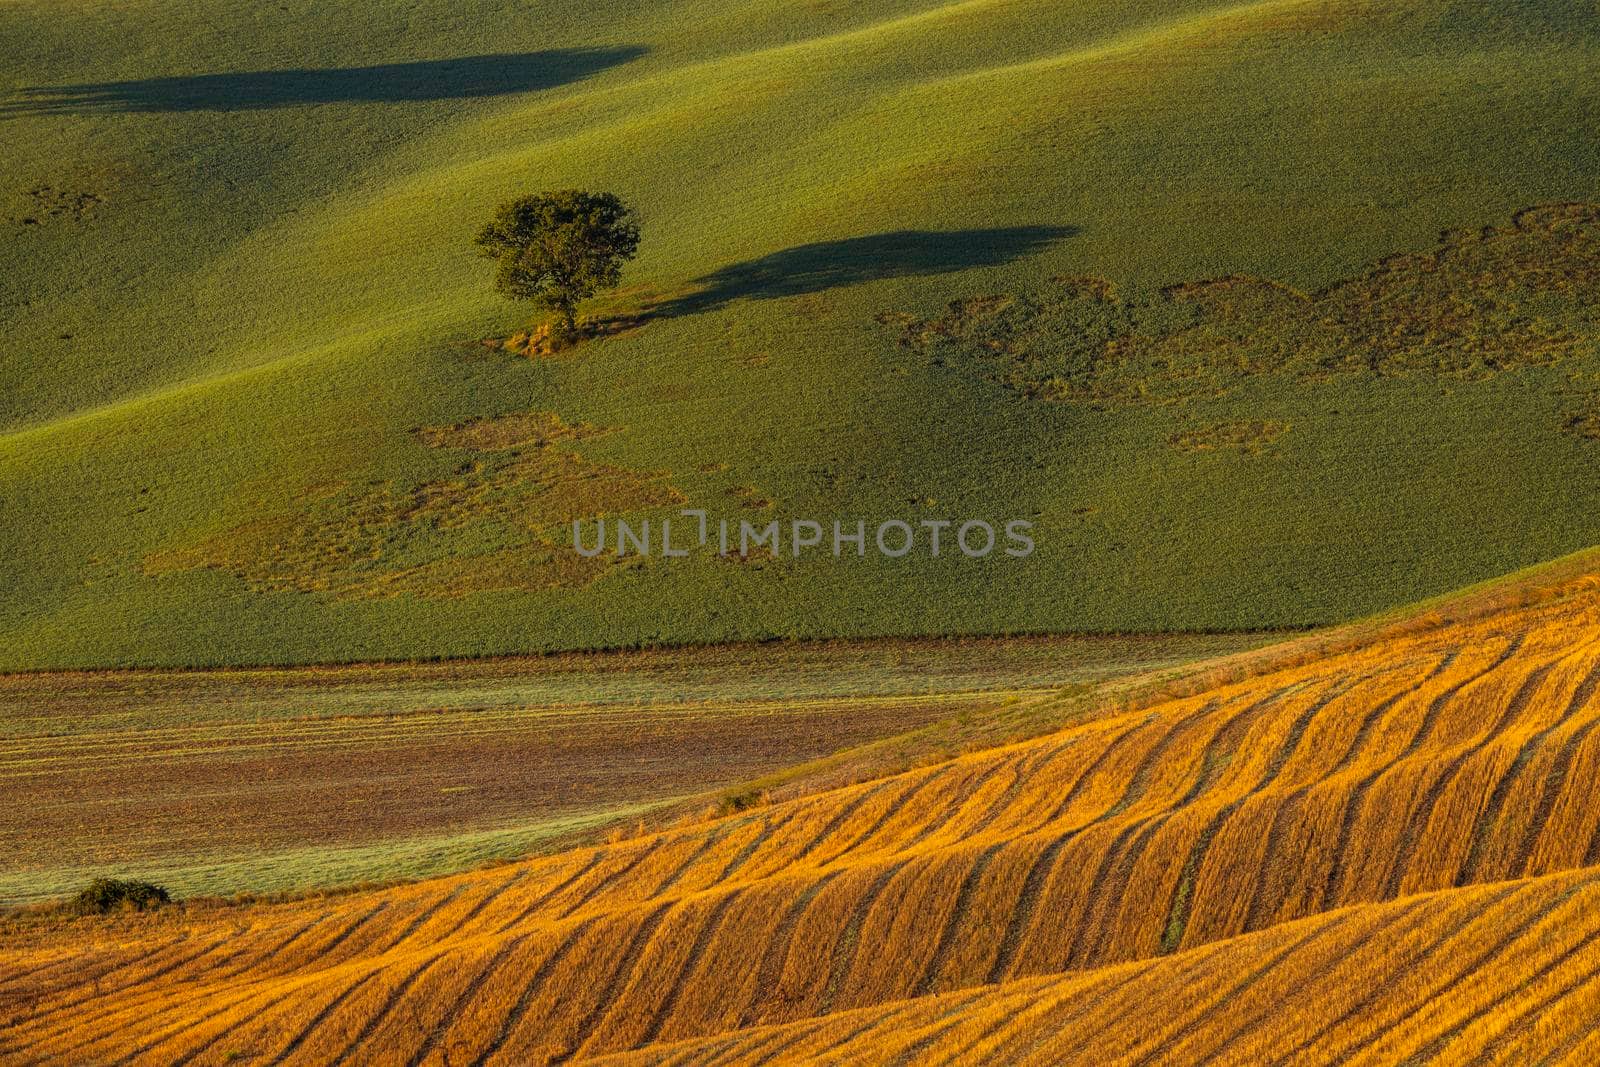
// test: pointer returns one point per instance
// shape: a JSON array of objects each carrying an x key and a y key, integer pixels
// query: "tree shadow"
[
  {"x": 815, "y": 267},
  {"x": 462, "y": 78}
]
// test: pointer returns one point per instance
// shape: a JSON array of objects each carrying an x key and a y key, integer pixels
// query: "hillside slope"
[
  {"x": 1418, "y": 805},
  {"x": 1497, "y": 974},
  {"x": 242, "y": 317}
]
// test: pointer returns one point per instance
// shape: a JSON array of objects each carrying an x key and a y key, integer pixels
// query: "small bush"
[
  {"x": 743, "y": 801},
  {"x": 109, "y": 894}
]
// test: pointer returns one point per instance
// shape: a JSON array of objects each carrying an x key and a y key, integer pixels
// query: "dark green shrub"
[{"x": 109, "y": 894}]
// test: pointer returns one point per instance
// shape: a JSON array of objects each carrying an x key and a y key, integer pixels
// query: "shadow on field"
[
  {"x": 463, "y": 78},
  {"x": 827, "y": 264}
]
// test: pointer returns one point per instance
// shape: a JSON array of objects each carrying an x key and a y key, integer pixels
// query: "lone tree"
[{"x": 558, "y": 249}]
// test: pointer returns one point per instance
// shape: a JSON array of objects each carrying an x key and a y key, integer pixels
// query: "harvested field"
[
  {"x": 1417, "y": 804},
  {"x": 281, "y": 779}
]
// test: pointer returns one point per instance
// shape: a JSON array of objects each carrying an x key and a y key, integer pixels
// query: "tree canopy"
[{"x": 557, "y": 249}]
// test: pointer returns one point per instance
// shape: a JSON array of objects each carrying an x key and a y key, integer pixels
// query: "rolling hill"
[
  {"x": 248, "y": 414},
  {"x": 1376, "y": 846}
]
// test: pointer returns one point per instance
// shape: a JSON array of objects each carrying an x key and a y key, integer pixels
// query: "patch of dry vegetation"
[
  {"x": 1480, "y": 304},
  {"x": 1249, "y": 438},
  {"x": 544, "y": 342},
  {"x": 517, "y": 488}
]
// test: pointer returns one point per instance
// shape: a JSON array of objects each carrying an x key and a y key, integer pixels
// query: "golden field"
[{"x": 1380, "y": 851}]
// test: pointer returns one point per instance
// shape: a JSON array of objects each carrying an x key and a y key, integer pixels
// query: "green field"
[
  {"x": 242, "y": 320},
  {"x": 302, "y": 778}
]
